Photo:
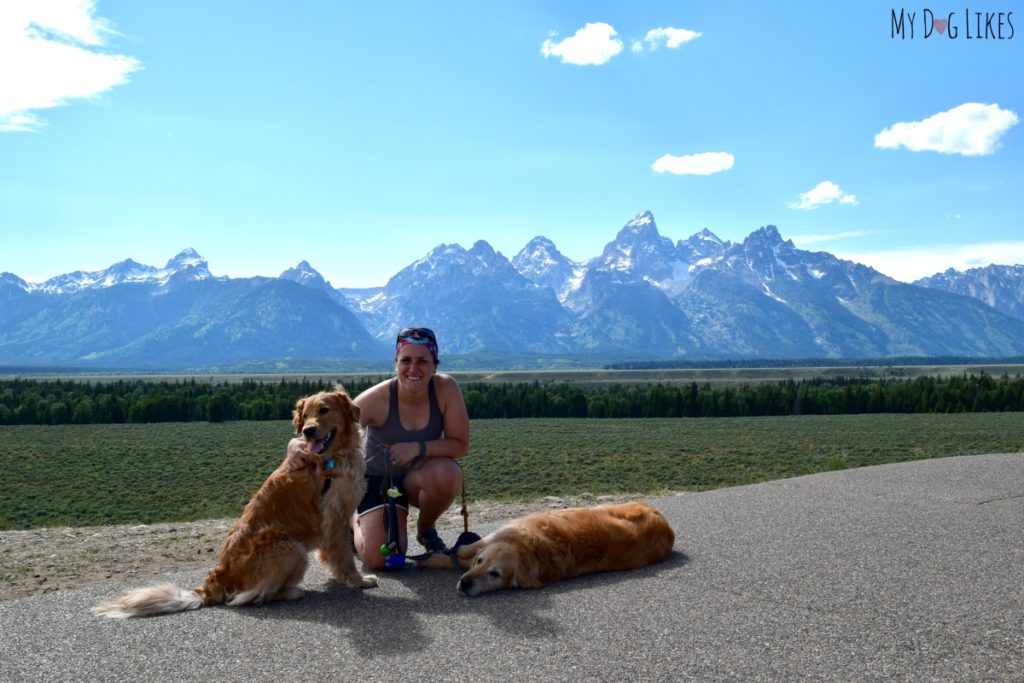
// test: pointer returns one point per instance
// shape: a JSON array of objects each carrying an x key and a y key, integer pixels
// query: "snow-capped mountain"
[
  {"x": 178, "y": 316},
  {"x": 307, "y": 276},
  {"x": 10, "y": 282},
  {"x": 639, "y": 252},
  {"x": 701, "y": 248},
  {"x": 1001, "y": 287},
  {"x": 540, "y": 262},
  {"x": 701, "y": 297},
  {"x": 643, "y": 296},
  {"x": 622, "y": 296},
  {"x": 475, "y": 301},
  {"x": 814, "y": 304},
  {"x": 186, "y": 265},
  {"x": 612, "y": 314}
]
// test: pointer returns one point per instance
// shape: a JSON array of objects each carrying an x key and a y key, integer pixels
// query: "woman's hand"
[
  {"x": 297, "y": 457},
  {"x": 404, "y": 454}
]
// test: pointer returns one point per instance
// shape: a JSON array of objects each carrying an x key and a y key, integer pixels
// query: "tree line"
[
  {"x": 819, "y": 396},
  {"x": 47, "y": 402},
  {"x": 887, "y": 362},
  {"x": 42, "y": 402}
]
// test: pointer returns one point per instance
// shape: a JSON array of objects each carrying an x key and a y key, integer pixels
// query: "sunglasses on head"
[{"x": 417, "y": 334}]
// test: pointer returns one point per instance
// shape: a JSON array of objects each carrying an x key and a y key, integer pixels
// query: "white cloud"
[
  {"x": 705, "y": 163},
  {"x": 914, "y": 263},
  {"x": 18, "y": 123},
  {"x": 972, "y": 129},
  {"x": 670, "y": 37},
  {"x": 49, "y": 54},
  {"x": 823, "y": 193},
  {"x": 594, "y": 44}
]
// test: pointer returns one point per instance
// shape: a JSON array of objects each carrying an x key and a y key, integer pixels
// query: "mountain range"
[{"x": 643, "y": 297}]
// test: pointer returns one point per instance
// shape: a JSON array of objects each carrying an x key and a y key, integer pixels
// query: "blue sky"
[{"x": 358, "y": 136}]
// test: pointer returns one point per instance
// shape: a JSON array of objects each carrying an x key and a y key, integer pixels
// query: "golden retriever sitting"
[
  {"x": 266, "y": 552},
  {"x": 535, "y": 550}
]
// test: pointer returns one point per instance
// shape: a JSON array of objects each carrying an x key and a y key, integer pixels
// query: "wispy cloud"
[
  {"x": 705, "y": 163},
  {"x": 671, "y": 38},
  {"x": 825, "y": 192},
  {"x": 972, "y": 129},
  {"x": 914, "y": 263},
  {"x": 592, "y": 45},
  {"x": 50, "y": 53}
]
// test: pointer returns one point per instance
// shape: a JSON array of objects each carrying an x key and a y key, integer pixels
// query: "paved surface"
[{"x": 901, "y": 572}]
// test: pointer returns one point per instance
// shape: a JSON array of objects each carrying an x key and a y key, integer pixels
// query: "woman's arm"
[
  {"x": 455, "y": 443},
  {"x": 373, "y": 404}
]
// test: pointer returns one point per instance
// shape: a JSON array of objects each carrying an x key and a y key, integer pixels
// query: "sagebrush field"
[{"x": 143, "y": 473}]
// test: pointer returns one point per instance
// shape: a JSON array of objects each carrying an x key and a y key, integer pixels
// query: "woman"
[{"x": 416, "y": 428}]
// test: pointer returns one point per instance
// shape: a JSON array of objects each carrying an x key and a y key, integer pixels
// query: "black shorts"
[{"x": 375, "y": 497}]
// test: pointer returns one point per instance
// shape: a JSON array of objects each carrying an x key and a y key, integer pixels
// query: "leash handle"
[
  {"x": 395, "y": 557},
  {"x": 465, "y": 510}
]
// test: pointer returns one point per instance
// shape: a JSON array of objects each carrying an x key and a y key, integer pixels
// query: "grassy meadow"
[{"x": 143, "y": 473}]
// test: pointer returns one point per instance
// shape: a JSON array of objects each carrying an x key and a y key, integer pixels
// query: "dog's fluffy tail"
[{"x": 162, "y": 599}]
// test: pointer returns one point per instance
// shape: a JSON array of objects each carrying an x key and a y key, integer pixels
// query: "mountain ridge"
[{"x": 643, "y": 296}]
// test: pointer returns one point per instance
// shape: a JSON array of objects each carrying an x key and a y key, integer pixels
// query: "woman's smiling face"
[{"x": 414, "y": 366}]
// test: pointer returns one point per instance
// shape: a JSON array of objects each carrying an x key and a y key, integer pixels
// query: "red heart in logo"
[{"x": 940, "y": 24}]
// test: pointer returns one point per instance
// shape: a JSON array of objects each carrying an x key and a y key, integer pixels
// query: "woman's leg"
[
  {"x": 432, "y": 487},
  {"x": 370, "y": 533}
]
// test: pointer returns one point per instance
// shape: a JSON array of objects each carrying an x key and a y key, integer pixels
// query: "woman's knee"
[
  {"x": 373, "y": 561},
  {"x": 436, "y": 474},
  {"x": 371, "y": 533}
]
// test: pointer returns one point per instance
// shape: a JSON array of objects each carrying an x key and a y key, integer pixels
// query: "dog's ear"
[
  {"x": 297, "y": 419},
  {"x": 466, "y": 554},
  {"x": 526, "y": 574}
]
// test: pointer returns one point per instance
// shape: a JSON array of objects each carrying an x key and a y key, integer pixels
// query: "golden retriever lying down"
[
  {"x": 535, "y": 550},
  {"x": 266, "y": 552}
]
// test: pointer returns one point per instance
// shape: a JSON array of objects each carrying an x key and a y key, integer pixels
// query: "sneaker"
[{"x": 431, "y": 541}]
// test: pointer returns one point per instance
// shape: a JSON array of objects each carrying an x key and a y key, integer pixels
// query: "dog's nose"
[
  {"x": 465, "y": 584},
  {"x": 309, "y": 432}
]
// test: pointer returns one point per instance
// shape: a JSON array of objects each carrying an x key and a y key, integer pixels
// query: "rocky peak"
[{"x": 305, "y": 274}]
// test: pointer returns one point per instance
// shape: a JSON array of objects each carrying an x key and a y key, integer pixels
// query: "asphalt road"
[{"x": 901, "y": 572}]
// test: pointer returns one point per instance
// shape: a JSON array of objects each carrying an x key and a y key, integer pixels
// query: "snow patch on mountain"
[
  {"x": 129, "y": 272},
  {"x": 306, "y": 275}
]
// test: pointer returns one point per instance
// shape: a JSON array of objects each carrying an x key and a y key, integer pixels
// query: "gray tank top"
[{"x": 379, "y": 438}]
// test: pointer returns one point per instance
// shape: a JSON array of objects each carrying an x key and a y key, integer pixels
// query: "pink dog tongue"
[{"x": 318, "y": 446}]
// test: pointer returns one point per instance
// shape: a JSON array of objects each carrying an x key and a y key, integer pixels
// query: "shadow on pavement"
[{"x": 377, "y": 619}]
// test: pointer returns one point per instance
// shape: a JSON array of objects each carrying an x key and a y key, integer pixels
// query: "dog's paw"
[
  {"x": 358, "y": 580},
  {"x": 291, "y": 593}
]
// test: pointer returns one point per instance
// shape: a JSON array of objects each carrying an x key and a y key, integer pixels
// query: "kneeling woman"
[{"x": 416, "y": 428}]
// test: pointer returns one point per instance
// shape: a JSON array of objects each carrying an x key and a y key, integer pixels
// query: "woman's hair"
[{"x": 420, "y": 336}]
